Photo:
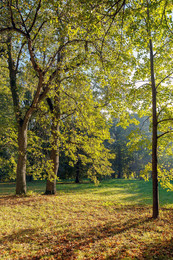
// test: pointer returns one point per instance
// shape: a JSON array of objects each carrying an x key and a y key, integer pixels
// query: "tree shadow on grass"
[
  {"x": 66, "y": 246},
  {"x": 13, "y": 200},
  {"x": 63, "y": 246},
  {"x": 162, "y": 250},
  {"x": 21, "y": 236}
]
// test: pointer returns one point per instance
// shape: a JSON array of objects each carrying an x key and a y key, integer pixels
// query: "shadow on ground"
[{"x": 67, "y": 245}]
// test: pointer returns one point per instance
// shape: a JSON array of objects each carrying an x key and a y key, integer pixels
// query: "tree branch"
[
  {"x": 23, "y": 23},
  {"x": 35, "y": 100},
  {"x": 35, "y": 17},
  {"x": 18, "y": 58},
  {"x": 32, "y": 57},
  {"x": 8, "y": 29},
  {"x": 11, "y": 14},
  {"x": 164, "y": 79},
  {"x": 39, "y": 30},
  {"x": 164, "y": 120},
  {"x": 171, "y": 131},
  {"x": 67, "y": 115}
]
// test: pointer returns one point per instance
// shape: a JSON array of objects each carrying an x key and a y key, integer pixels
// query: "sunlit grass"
[{"x": 111, "y": 221}]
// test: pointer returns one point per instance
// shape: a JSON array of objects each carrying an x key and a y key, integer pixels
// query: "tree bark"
[
  {"x": 77, "y": 172},
  {"x": 119, "y": 162},
  {"x": 21, "y": 164},
  {"x": 154, "y": 137},
  {"x": 22, "y": 126},
  {"x": 54, "y": 155},
  {"x": 51, "y": 183}
]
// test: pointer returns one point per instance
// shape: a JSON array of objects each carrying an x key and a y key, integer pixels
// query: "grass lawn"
[{"x": 111, "y": 221}]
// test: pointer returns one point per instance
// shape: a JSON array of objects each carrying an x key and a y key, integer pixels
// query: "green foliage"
[
  {"x": 150, "y": 21},
  {"x": 94, "y": 56},
  {"x": 8, "y": 154}
]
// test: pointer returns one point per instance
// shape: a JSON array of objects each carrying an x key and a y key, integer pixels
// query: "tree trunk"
[
  {"x": 77, "y": 172},
  {"x": 51, "y": 183},
  {"x": 54, "y": 155},
  {"x": 154, "y": 137},
  {"x": 22, "y": 127},
  {"x": 21, "y": 164},
  {"x": 119, "y": 162}
]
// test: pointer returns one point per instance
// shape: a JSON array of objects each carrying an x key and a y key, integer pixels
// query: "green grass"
[
  {"x": 111, "y": 221},
  {"x": 135, "y": 192}
]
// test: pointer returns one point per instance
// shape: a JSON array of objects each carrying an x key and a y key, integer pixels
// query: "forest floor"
[{"x": 110, "y": 221}]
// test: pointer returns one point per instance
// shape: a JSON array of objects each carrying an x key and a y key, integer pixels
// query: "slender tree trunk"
[
  {"x": 77, "y": 172},
  {"x": 54, "y": 157},
  {"x": 119, "y": 161},
  {"x": 154, "y": 137},
  {"x": 21, "y": 164},
  {"x": 51, "y": 183}
]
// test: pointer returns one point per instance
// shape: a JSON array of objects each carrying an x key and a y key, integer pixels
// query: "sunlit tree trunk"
[
  {"x": 154, "y": 137},
  {"x": 119, "y": 162},
  {"x": 22, "y": 126},
  {"x": 154, "y": 122},
  {"x": 54, "y": 155},
  {"x": 21, "y": 164}
]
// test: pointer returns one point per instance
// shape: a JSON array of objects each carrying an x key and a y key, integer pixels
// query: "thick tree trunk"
[
  {"x": 154, "y": 137},
  {"x": 22, "y": 127},
  {"x": 21, "y": 164}
]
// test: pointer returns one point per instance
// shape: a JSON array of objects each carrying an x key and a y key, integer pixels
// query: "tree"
[
  {"x": 21, "y": 25},
  {"x": 152, "y": 42}
]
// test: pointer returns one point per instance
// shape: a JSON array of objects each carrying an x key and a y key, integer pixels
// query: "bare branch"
[
  {"x": 33, "y": 60},
  {"x": 46, "y": 87},
  {"x": 35, "y": 101},
  {"x": 170, "y": 29},
  {"x": 114, "y": 15},
  {"x": 164, "y": 120},
  {"x": 164, "y": 79},
  {"x": 60, "y": 49},
  {"x": 23, "y": 22},
  {"x": 50, "y": 62},
  {"x": 170, "y": 131},
  {"x": 35, "y": 17},
  {"x": 39, "y": 30},
  {"x": 9, "y": 29},
  {"x": 19, "y": 54},
  {"x": 11, "y": 14},
  {"x": 29, "y": 13}
]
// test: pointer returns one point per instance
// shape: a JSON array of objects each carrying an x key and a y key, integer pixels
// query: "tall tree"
[
  {"x": 33, "y": 27},
  {"x": 24, "y": 25},
  {"x": 153, "y": 41}
]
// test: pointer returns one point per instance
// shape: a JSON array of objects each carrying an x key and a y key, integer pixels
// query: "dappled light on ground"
[{"x": 88, "y": 225}]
